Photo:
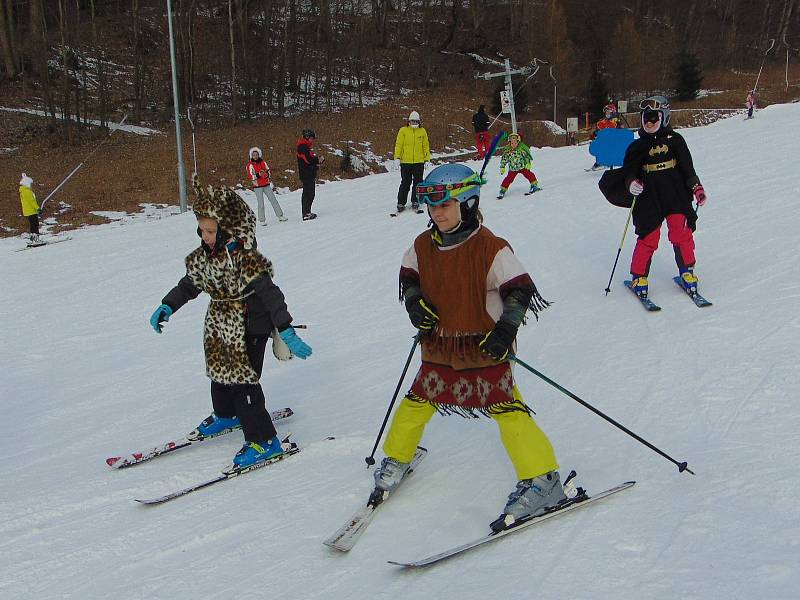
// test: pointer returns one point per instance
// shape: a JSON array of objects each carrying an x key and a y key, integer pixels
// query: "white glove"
[
  {"x": 636, "y": 187},
  {"x": 279, "y": 347}
]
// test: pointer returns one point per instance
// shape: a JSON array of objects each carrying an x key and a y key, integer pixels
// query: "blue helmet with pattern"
[
  {"x": 452, "y": 181},
  {"x": 655, "y": 104}
]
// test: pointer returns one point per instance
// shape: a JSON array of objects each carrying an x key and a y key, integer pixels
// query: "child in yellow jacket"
[{"x": 30, "y": 208}]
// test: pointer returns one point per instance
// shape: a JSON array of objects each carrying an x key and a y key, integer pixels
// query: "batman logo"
[{"x": 655, "y": 151}]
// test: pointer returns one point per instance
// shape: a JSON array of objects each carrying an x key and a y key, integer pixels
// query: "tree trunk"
[
  {"x": 234, "y": 96},
  {"x": 7, "y": 39}
]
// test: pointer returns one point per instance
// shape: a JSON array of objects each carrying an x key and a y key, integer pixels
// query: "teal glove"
[
  {"x": 296, "y": 345},
  {"x": 161, "y": 315}
]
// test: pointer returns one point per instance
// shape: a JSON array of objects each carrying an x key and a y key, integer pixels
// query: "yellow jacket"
[
  {"x": 412, "y": 145},
  {"x": 28, "y": 200}
]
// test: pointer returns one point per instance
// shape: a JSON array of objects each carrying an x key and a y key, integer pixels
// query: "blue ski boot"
[
  {"x": 689, "y": 280},
  {"x": 534, "y": 188},
  {"x": 639, "y": 285},
  {"x": 213, "y": 425},
  {"x": 255, "y": 452}
]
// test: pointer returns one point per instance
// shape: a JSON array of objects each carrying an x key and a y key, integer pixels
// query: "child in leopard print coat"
[{"x": 246, "y": 309}]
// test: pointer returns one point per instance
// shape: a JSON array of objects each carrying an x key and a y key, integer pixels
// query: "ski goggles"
[
  {"x": 652, "y": 104},
  {"x": 651, "y": 116},
  {"x": 435, "y": 194}
]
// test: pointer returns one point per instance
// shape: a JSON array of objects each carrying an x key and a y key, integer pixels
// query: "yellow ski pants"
[{"x": 527, "y": 446}]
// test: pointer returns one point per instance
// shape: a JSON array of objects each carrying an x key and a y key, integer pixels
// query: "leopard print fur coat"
[{"x": 223, "y": 276}]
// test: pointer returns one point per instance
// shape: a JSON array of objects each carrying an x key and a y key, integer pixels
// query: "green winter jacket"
[{"x": 516, "y": 160}]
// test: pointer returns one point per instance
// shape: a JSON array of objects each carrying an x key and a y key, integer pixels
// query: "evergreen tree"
[{"x": 688, "y": 76}]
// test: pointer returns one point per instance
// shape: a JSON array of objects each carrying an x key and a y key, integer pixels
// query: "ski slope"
[{"x": 85, "y": 377}]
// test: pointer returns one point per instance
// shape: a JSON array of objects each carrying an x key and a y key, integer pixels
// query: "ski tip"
[{"x": 113, "y": 461}]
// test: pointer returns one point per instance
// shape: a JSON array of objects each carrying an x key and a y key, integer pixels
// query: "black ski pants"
[
  {"x": 309, "y": 191},
  {"x": 246, "y": 400},
  {"x": 409, "y": 173},
  {"x": 33, "y": 223}
]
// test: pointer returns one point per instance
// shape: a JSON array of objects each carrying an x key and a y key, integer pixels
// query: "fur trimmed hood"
[
  {"x": 224, "y": 205},
  {"x": 257, "y": 149}
]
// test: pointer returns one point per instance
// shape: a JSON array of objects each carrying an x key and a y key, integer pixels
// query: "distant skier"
[
  {"x": 750, "y": 103},
  {"x": 413, "y": 150},
  {"x": 30, "y": 209},
  {"x": 246, "y": 307},
  {"x": 307, "y": 166},
  {"x": 480, "y": 122},
  {"x": 658, "y": 170},
  {"x": 610, "y": 120},
  {"x": 517, "y": 158},
  {"x": 259, "y": 174},
  {"x": 467, "y": 294}
]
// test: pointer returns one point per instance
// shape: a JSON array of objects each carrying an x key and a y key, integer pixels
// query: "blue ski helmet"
[
  {"x": 452, "y": 182},
  {"x": 658, "y": 104}
]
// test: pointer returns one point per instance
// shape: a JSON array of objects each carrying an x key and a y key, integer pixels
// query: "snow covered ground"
[{"x": 84, "y": 377}]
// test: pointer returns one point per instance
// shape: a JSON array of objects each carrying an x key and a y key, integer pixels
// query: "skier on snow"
[
  {"x": 480, "y": 122},
  {"x": 413, "y": 150},
  {"x": 30, "y": 208},
  {"x": 517, "y": 158},
  {"x": 468, "y": 294},
  {"x": 609, "y": 121},
  {"x": 750, "y": 103},
  {"x": 658, "y": 170},
  {"x": 308, "y": 164},
  {"x": 246, "y": 307},
  {"x": 259, "y": 174}
]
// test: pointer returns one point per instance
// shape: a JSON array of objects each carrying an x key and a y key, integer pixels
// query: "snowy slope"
[{"x": 85, "y": 378}]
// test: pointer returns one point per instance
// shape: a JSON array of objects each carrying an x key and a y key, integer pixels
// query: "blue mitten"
[
  {"x": 161, "y": 315},
  {"x": 296, "y": 345}
]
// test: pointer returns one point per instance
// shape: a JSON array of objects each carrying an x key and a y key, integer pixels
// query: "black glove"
[
  {"x": 498, "y": 342},
  {"x": 422, "y": 315}
]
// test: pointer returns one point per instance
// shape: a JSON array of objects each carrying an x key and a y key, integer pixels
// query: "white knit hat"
[
  {"x": 26, "y": 181},
  {"x": 414, "y": 116}
]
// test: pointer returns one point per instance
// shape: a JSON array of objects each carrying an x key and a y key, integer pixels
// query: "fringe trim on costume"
[
  {"x": 474, "y": 413},
  {"x": 453, "y": 341},
  {"x": 536, "y": 305}
]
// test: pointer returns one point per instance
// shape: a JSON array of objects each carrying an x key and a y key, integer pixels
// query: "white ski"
[
  {"x": 347, "y": 535},
  {"x": 575, "y": 504}
]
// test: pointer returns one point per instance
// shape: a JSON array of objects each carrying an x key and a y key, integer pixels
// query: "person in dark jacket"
[
  {"x": 307, "y": 165},
  {"x": 480, "y": 122},
  {"x": 246, "y": 309},
  {"x": 658, "y": 170}
]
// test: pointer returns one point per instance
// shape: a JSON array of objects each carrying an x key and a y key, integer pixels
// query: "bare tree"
[
  {"x": 7, "y": 38},
  {"x": 234, "y": 95}
]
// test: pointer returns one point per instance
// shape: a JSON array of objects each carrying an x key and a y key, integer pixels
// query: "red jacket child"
[{"x": 257, "y": 169}]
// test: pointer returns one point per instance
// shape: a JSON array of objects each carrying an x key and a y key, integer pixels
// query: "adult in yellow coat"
[
  {"x": 30, "y": 207},
  {"x": 413, "y": 151}
]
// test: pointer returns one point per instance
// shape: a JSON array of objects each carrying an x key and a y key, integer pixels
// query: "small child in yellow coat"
[{"x": 30, "y": 208}]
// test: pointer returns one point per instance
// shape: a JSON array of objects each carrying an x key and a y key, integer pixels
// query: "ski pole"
[
  {"x": 370, "y": 460},
  {"x": 622, "y": 241},
  {"x": 194, "y": 148},
  {"x": 75, "y": 170},
  {"x": 682, "y": 466},
  {"x": 492, "y": 147}
]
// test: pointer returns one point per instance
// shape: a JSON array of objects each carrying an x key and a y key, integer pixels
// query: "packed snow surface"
[{"x": 85, "y": 378}]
